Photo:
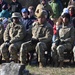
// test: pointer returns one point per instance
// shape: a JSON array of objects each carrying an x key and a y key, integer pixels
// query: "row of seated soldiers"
[{"x": 16, "y": 39}]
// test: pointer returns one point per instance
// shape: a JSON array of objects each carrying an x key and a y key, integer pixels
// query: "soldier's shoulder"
[
  {"x": 35, "y": 23},
  {"x": 11, "y": 23},
  {"x": 39, "y": 5},
  {"x": 48, "y": 25},
  {"x": 71, "y": 26}
]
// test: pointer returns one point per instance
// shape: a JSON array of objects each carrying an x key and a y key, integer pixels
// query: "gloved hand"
[{"x": 34, "y": 41}]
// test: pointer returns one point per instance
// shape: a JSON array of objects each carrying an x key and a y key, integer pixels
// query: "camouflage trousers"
[
  {"x": 40, "y": 48},
  {"x": 58, "y": 52},
  {"x": 74, "y": 52},
  {"x": 11, "y": 50}
]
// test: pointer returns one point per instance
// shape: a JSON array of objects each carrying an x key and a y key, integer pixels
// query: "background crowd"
[{"x": 47, "y": 27}]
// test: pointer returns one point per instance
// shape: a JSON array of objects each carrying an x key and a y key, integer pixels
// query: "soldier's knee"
[
  {"x": 41, "y": 47},
  {"x": 23, "y": 48},
  {"x": 41, "y": 44},
  {"x": 12, "y": 48},
  {"x": 60, "y": 49},
  {"x": 74, "y": 50},
  {"x": 3, "y": 47},
  {"x": 53, "y": 48}
]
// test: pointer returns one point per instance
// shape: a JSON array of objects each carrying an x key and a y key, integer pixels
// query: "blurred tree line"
[{"x": 27, "y": 3}]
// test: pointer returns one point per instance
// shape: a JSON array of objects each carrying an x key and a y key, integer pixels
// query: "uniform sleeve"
[
  {"x": 20, "y": 35},
  {"x": 48, "y": 36},
  {"x": 57, "y": 40},
  {"x": 1, "y": 31},
  {"x": 71, "y": 38},
  {"x": 6, "y": 33}
]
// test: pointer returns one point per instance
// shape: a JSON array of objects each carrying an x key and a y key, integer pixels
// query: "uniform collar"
[
  {"x": 65, "y": 26},
  {"x": 42, "y": 25},
  {"x": 16, "y": 23}
]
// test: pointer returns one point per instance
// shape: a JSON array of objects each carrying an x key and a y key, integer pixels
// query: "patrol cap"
[
  {"x": 67, "y": 15},
  {"x": 71, "y": 6},
  {"x": 24, "y": 10},
  {"x": 16, "y": 15},
  {"x": 42, "y": 13}
]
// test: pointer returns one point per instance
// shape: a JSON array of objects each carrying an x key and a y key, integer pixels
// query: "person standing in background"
[
  {"x": 2, "y": 2},
  {"x": 15, "y": 6}
]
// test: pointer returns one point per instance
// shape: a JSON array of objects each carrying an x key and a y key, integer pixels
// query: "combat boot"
[
  {"x": 40, "y": 65},
  {"x": 61, "y": 64},
  {"x": 55, "y": 60}
]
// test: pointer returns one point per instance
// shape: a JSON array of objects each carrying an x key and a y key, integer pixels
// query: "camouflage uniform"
[
  {"x": 1, "y": 37},
  {"x": 64, "y": 41},
  {"x": 42, "y": 32},
  {"x": 1, "y": 33},
  {"x": 13, "y": 37}
]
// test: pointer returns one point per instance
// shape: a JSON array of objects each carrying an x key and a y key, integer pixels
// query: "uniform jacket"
[
  {"x": 1, "y": 31},
  {"x": 14, "y": 32},
  {"x": 43, "y": 32},
  {"x": 66, "y": 34}
]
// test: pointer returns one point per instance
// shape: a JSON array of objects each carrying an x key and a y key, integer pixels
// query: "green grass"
[{"x": 51, "y": 71}]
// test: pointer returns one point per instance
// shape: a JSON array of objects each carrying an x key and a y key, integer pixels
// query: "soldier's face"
[
  {"x": 65, "y": 20},
  {"x": 15, "y": 20},
  {"x": 41, "y": 20}
]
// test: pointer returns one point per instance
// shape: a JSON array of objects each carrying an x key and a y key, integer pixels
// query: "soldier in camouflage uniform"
[
  {"x": 1, "y": 32},
  {"x": 1, "y": 38},
  {"x": 41, "y": 35},
  {"x": 64, "y": 40},
  {"x": 44, "y": 6},
  {"x": 13, "y": 36}
]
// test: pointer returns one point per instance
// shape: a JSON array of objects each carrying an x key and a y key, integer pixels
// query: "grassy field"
[
  {"x": 51, "y": 70},
  {"x": 35, "y": 70}
]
